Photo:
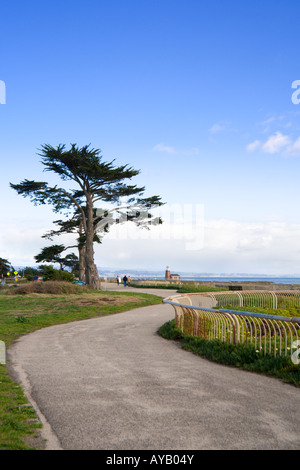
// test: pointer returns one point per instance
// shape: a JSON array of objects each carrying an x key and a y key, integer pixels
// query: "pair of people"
[{"x": 125, "y": 280}]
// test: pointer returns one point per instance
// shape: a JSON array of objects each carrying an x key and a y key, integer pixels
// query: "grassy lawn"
[
  {"x": 25, "y": 311},
  {"x": 185, "y": 288}
]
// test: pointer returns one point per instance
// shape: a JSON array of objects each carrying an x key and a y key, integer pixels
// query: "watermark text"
[
  {"x": 296, "y": 94},
  {"x": 182, "y": 222}
]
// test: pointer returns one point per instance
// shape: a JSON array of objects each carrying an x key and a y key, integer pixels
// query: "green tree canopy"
[
  {"x": 53, "y": 254},
  {"x": 5, "y": 267}
]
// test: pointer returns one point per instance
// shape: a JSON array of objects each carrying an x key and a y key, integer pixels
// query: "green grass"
[
  {"x": 184, "y": 288},
  {"x": 284, "y": 312},
  {"x": 242, "y": 356},
  {"x": 187, "y": 289},
  {"x": 18, "y": 421},
  {"x": 23, "y": 314}
]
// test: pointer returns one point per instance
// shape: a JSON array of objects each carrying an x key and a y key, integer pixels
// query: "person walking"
[{"x": 125, "y": 279}]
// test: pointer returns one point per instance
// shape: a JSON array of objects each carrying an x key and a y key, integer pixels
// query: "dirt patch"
[
  {"x": 96, "y": 299},
  {"x": 94, "y": 302}
]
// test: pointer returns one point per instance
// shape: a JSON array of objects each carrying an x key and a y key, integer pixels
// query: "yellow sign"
[{"x": 15, "y": 273}]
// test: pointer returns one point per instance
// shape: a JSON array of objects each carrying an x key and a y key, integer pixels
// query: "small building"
[
  {"x": 171, "y": 277},
  {"x": 167, "y": 274}
]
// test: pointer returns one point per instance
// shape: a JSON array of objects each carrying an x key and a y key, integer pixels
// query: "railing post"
[
  {"x": 241, "y": 303},
  {"x": 274, "y": 300},
  {"x": 235, "y": 326}
]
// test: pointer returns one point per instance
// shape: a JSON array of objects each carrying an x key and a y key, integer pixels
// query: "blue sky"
[{"x": 195, "y": 94}]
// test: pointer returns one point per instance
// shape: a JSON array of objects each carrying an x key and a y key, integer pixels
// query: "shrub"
[
  {"x": 29, "y": 273},
  {"x": 51, "y": 274},
  {"x": 169, "y": 331},
  {"x": 49, "y": 287},
  {"x": 237, "y": 355}
]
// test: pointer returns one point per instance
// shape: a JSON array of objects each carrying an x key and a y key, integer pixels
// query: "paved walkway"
[{"x": 112, "y": 383}]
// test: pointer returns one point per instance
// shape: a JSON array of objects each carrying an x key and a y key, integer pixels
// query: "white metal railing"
[{"x": 202, "y": 315}]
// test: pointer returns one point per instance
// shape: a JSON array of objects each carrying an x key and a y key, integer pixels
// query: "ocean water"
[{"x": 276, "y": 280}]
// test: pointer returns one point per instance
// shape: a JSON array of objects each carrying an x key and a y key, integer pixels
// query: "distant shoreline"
[
  {"x": 239, "y": 284},
  {"x": 274, "y": 280}
]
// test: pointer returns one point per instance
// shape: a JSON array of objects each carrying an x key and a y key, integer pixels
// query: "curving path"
[{"x": 112, "y": 383}]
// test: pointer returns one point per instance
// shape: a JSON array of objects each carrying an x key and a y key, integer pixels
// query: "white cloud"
[
  {"x": 220, "y": 127},
  {"x": 278, "y": 121},
  {"x": 253, "y": 146},
  {"x": 294, "y": 148},
  {"x": 164, "y": 148},
  {"x": 172, "y": 151},
  {"x": 217, "y": 128},
  {"x": 269, "y": 120},
  {"x": 276, "y": 143}
]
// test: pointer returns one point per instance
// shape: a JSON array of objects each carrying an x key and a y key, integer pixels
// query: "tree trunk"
[
  {"x": 91, "y": 272},
  {"x": 81, "y": 253}
]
